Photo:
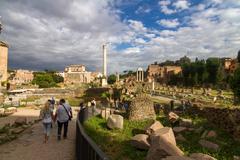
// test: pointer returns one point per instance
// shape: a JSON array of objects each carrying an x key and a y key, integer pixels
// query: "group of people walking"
[{"x": 62, "y": 115}]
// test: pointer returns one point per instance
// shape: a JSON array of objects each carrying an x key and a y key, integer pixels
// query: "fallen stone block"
[
  {"x": 180, "y": 137},
  {"x": 185, "y": 122},
  {"x": 179, "y": 129},
  {"x": 173, "y": 117},
  {"x": 209, "y": 145},
  {"x": 211, "y": 134},
  {"x": 105, "y": 113},
  {"x": 201, "y": 156},
  {"x": 21, "y": 121},
  {"x": 115, "y": 121},
  {"x": 140, "y": 141},
  {"x": 153, "y": 127},
  {"x": 161, "y": 148},
  {"x": 165, "y": 133}
]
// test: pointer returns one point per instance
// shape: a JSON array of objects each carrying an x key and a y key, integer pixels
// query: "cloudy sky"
[{"x": 50, "y": 34}]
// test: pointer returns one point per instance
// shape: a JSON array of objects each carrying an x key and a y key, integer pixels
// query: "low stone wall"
[{"x": 227, "y": 119}]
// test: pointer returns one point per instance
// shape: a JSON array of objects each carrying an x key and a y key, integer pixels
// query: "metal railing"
[{"x": 86, "y": 148}]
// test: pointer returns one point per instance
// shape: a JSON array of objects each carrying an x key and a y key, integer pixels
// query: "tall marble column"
[
  {"x": 105, "y": 60},
  {"x": 104, "y": 79}
]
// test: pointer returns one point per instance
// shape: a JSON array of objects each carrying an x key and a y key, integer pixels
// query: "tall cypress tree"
[{"x": 238, "y": 56}]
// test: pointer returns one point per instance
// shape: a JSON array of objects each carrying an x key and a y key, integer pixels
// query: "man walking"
[{"x": 63, "y": 115}]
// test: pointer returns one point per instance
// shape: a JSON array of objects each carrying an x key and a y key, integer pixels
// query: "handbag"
[{"x": 70, "y": 116}]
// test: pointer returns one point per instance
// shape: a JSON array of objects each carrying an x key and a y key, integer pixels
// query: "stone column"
[
  {"x": 153, "y": 85},
  {"x": 142, "y": 76},
  {"x": 105, "y": 61},
  {"x": 118, "y": 77},
  {"x": 137, "y": 76},
  {"x": 104, "y": 79}
]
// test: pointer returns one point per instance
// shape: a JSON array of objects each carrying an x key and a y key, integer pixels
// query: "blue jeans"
[{"x": 47, "y": 128}]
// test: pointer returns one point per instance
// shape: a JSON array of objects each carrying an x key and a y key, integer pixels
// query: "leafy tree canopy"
[
  {"x": 112, "y": 79},
  {"x": 46, "y": 79}
]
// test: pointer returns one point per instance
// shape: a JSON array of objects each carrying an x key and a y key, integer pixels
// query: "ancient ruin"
[{"x": 141, "y": 108}]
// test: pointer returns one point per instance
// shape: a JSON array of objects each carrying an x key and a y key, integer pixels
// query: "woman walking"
[{"x": 46, "y": 114}]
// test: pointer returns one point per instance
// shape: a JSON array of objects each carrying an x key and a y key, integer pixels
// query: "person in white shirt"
[
  {"x": 46, "y": 114},
  {"x": 93, "y": 105},
  {"x": 63, "y": 116}
]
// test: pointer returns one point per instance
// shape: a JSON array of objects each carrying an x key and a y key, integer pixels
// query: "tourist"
[
  {"x": 93, "y": 105},
  {"x": 172, "y": 105},
  {"x": 83, "y": 113},
  {"x": 125, "y": 105},
  {"x": 117, "y": 104},
  {"x": 52, "y": 109},
  {"x": 81, "y": 106},
  {"x": 183, "y": 103},
  {"x": 46, "y": 114},
  {"x": 63, "y": 116},
  {"x": 51, "y": 106},
  {"x": 52, "y": 103}
]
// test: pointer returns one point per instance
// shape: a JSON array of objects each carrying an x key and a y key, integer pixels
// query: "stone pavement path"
[{"x": 29, "y": 145}]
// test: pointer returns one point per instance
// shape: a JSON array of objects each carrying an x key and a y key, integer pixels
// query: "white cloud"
[
  {"x": 41, "y": 32},
  {"x": 164, "y": 7},
  {"x": 200, "y": 7},
  {"x": 166, "y": 10},
  {"x": 137, "y": 25},
  {"x": 164, "y": 3},
  {"x": 131, "y": 50},
  {"x": 140, "y": 41},
  {"x": 175, "y": 7},
  {"x": 143, "y": 9},
  {"x": 169, "y": 23},
  {"x": 217, "y": 1},
  {"x": 181, "y": 4}
]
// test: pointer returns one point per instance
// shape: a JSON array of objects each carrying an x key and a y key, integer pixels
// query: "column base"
[{"x": 104, "y": 82}]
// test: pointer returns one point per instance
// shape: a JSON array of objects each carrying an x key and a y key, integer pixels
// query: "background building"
[
  {"x": 74, "y": 74},
  {"x": 22, "y": 77},
  {"x": 230, "y": 65},
  {"x": 161, "y": 73},
  {"x": 3, "y": 61}
]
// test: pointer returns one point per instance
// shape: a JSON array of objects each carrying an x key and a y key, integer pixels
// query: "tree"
[
  {"x": 46, "y": 79},
  {"x": 183, "y": 60},
  {"x": 175, "y": 79},
  {"x": 57, "y": 78},
  {"x": 238, "y": 56},
  {"x": 235, "y": 85},
  {"x": 200, "y": 67},
  {"x": 186, "y": 70},
  {"x": 167, "y": 63},
  {"x": 112, "y": 79},
  {"x": 212, "y": 67}
]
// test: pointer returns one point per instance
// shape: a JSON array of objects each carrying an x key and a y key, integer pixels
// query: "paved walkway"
[{"x": 29, "y": 145}]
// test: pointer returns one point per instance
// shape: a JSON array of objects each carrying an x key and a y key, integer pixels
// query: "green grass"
[{"x": 115, "y": 143}]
